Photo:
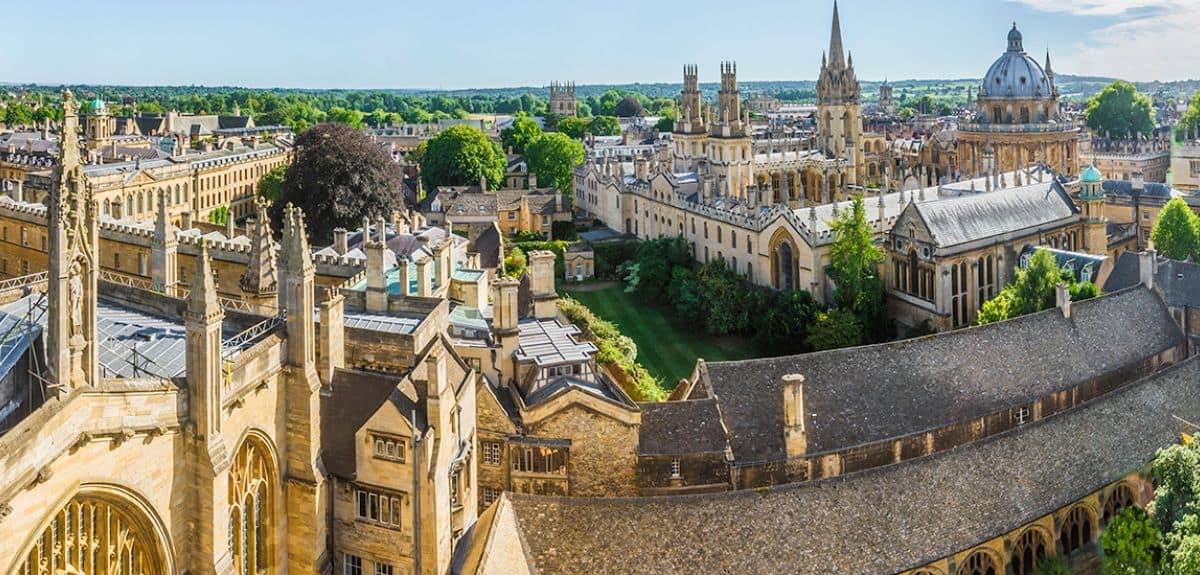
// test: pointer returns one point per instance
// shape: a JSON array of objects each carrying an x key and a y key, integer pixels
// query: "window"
[
  {"x": 117, "y": 261},
  {"x": 383, "y": 569},
  {"x": 1146, "y": 215},
  {"x": 489, "y": 495},
  {"x": 512, "y": 215},
  {"x": 490, "y": 452},
  {"x": 531, "y": 459},
  {"x": 351, "y": 565},
  {"x": 1022, "y": 415},
  {"x": 545, "y": 220},
  {"x": 381, "y": 508},
  {"x": 675, "y": 469},
  {"x": 390, "y": 448}
]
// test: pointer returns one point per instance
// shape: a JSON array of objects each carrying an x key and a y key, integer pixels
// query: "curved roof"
[
  {"x": 1015, "y": 74},
  {"x": 1091, "y": 175}
]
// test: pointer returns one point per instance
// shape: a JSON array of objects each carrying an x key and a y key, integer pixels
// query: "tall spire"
[
  {"x": 202, "y": 300},
  {"x": 835, "y": 39}
]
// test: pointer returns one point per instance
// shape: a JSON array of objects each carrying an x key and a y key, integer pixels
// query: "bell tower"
[
  {"x": 74, "y": 267},
  {"x": 839, "y": 104},
  {"x": 690, "y": 134},
  {"x": 1095, "y": 225}
]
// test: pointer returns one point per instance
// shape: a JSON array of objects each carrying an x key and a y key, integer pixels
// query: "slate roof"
[
  {"x": 885, "y": 520},
  {"x": 1125, "y": 273},
  {"x": 1125, "y": 188},
  {"x": 461, "y": 200},
  {"x": 541, "y": 201},
  {"x": 1178, "y": 281},
  {"x": 960, "y": 220},
  {"x": 681, "y": 428},
  {"x": 488, "y": 245},
  {"x": 871, "y": 393},
  {"x": 355, "y": 397}
]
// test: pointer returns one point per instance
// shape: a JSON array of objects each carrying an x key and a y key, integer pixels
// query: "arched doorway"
[
  {"x": 979, "y": 563},
  {"x": 100, "y": 530},
  {"x": 1029, "y": 550},
  {"x": 252, "y": 507}
]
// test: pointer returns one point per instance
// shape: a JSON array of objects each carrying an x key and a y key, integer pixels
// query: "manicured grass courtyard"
[{"x": 666, "y": 347}]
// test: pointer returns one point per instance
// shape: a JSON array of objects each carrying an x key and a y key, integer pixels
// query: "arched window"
[
  {"x": 914, "y": 270},
  {"x": 1076, "y": 530},
  {"x": 251, "y": 497},
  {"x": 784, "y": 267},
  {"x": 1028, "y": 551},
  {"x": 128, "y": 206},
  {"x": 979, "y": 563},
  {"x": 1120, "y": 498},
  {"x": 97, "y": 533}
]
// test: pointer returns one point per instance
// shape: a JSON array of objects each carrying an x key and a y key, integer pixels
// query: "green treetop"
[
  {"x": 854, "y": 258},
  {"x": 1176, "y": 233},
  {"x": 1119, "y": 111},
  {"x": 461, "y": 155},
  {"x": 522, "y": 131},
  {"x": 553, "y": 158}
]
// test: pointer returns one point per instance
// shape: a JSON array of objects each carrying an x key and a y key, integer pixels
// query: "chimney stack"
[
  {"x": 341, "y": 241},
  {"x": 1062, "y": 299},
  {"x": 794, "y": 429},
  {"x": 1137, "y": 181},
  {"x": 1147, "y": 267}
]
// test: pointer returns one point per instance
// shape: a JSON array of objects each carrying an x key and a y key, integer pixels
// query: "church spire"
[{"x": 835, "y": 39}]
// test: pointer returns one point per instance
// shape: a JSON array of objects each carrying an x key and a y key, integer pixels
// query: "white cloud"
[{"x": 1150, "y": 40}]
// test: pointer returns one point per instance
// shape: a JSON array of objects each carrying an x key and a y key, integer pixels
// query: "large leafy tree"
[
  {"x": 270, "y": 185},
  {"x": 1189, "y": 124},
  {"x": 628, "y": 107},
  {"x": 1032, "y": 290},
  {"x": 854, "y": 258},
  {"x": 18, "y": 114},
  {"x": 1130, "y": 542},
  {"x": 604, "y": 126},
  {"x": 459, "y": 156},
  {"x": 522, "y": 131},
  {"x": 1119, "y": 110},
  {"x": 1176, "y": 233},
  {"x": 553, "y": 158},
  {"x": 338, "y": 176}
]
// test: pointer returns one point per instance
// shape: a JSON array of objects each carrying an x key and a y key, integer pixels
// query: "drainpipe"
[{"x": 416, "y": 497}]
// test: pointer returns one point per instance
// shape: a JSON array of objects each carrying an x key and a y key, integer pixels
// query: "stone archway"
[
  {"x": 980, "y": 563},
  {"x": 253, "y": 506},
  {"x": 1028, "y": 550},
  {"x": 100, "y": 530}
]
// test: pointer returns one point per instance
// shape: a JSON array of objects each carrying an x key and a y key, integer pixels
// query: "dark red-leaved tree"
[{"x": 337, "y": 176}]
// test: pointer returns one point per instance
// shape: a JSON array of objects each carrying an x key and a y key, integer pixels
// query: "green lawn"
[{"x": 666, "y": 347}]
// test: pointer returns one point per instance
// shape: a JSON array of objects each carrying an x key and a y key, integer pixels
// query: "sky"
[{"x": 458, "y": 44}]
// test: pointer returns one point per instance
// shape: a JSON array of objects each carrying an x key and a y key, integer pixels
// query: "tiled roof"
[
  {"x": 1125, "y": 188},
  {"x": 681, "y": 428},
  {"x": 885, "y": 520},
  {"x": 1125, "y": 273},
  {"x": 866, "y": 394},
  {"x": 955, "y": 221}
]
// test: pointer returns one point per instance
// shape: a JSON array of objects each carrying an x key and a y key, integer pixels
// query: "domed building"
[{"x": 1017, "y": 118}]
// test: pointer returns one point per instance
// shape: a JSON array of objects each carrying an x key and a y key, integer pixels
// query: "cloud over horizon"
[{"x": 1141, "y": 40}]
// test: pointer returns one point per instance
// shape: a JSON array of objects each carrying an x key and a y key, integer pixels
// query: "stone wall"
[{"x": 603, "y": 458}]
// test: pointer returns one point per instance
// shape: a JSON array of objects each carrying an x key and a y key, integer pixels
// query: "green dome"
[{"x": 1091, "y": 175}]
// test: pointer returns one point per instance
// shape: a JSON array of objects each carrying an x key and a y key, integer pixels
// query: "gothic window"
[
  {"x": 785, "y": 272},
  {"x": 96, "y": 534},
  {"x": 1028, "y": 551},
  {"x": 914, "y": 269},
  {"x": 958, "y": 294},
  {"x": 251, "y": 497},
  {"x": 1120, "y": 498},
  {"x": 979, "y": 563},
  {"x": 1076, "y": 530}
]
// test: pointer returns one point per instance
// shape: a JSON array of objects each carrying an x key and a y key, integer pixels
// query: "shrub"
[
  {"x": 614, "y": 350},
  {"x": 1052, "y": 565}
]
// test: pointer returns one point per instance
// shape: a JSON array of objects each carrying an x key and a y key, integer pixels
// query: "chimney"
[
  {"x": 483, "y": 183},
  {"x": 541, "y": 272},
  {"x": 532, "y": 180},
  {"x": 1147, "y": 267},
  {"x": 341, "y": 241},
  {"x": 1062, "y": 299},
  {"x": 1137, "y": 181},
  {"x": 185, "y": 220},
  {"x": 18, "y": 190},
  {"x": 794, "y": 430},
  {"x": 558, "y": 202}
]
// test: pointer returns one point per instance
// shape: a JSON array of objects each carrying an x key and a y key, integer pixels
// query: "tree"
[
  {"x": 352, "y": 118},
  {"x": 604, "y": 126},
  {"x": 270, "y": 185},
  {"x": 515, "y": 263},
  {"x": 18, "y": 114},
  {"x": 573, "y": 127},
  {"x": 628, "y": 107},
  {"x": 1052, "y": 565},
  {"x": 1189, "y": 124},
  {"x": 1176, "y": 233},
  {"x": 522, "y": 131},
  {"x": 834, "y": 329},
  {"x": 854, "y": 258},
  {"x": 1031, "y": 291},
  {"x": 461, "y": 155},
  {"x": 553, "y": 158},
  {"x": 219, "y": 215},
  {"x": 1129, "y": 542},
  {"x": 337, "y": 177},
  {"x": 665, "y": 124},
  {"x": 1119, "y": 111}
]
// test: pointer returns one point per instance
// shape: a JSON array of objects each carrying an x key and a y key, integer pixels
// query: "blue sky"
[{"x": 476, "y": 43}]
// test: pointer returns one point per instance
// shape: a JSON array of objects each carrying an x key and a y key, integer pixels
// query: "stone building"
[
  {"x": 562, "y": 99},
  {"x": 1124, "y": 157},
  {"x": 178, "y": 432},
  {"x": 1185, "y": 166},
  {"x": 1017, "y": 120},
  {"x": 511, "y": 209}
]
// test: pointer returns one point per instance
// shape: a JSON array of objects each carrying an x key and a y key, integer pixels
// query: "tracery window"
[
  {"x": 1028, "y": 552},
  {"x": 1117, "y": 501},
  {"x": 1076, "y": 530},
  {"x": 92, "y": 534},
  {"x": 979, "y": 563},
  {"x": 251, "y": 509}
]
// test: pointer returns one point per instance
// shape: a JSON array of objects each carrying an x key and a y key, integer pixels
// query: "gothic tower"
[
  {"x": 839, "y": 107},
  {"x": 690, "y": 133},
  {"x": 74, "y": 265},
  {"x": 887, "y": 102},
  {"x": 729, "y": 145},
  {"x": 562, "y": 99}
]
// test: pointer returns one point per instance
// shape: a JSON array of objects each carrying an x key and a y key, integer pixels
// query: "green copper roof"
[{"x": 1091, "y": 175}]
